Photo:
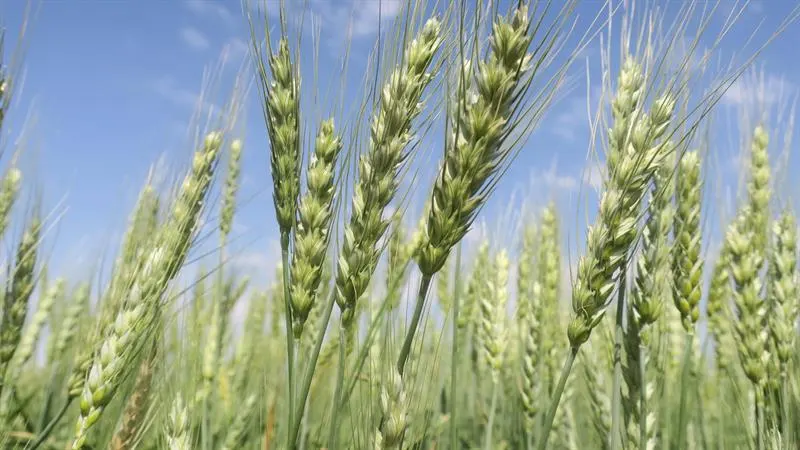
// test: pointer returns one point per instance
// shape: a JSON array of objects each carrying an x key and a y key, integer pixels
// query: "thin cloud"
[
  {"x": 369, "y": 13},
  {"x": 259, "y": 265},
  {"x": 361, "y": 18},
  {"x": 593, "y": 175},
  {"x": 170, "y": 90},
  {"x": 167, "y": 88},
  {"x": 236, "y": 49},
  {"x": 572, "y": 120},
  {"x": 756, "y": 7},
  {"x": 211, "y": 9},
  {"x": 764, "y": 91},
  {"x": 194, "y": 38},
  {"x": 554, "y": 181}
]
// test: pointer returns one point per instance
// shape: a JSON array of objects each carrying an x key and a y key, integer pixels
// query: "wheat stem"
[
  {"x": 643, "y": 405},
  {"x": 556, "y": 397},
  {"x": 685, "y": 372},
  {"x": 289, "y": 335},
  {"x": 487, "y": 445},
  {"x": 424, "y": 286},
  {"x": 616, "y": 400},
  {"x": 454, "y": 357},
  {"x": 308, "y": 375},
  {"x": 337, "y": 392},
  {"x": 787, "y": 432},
  {"x": 51, "y": 426},
  {"x": 759, "y": 410},
  {"x": 371, "y": 332}
]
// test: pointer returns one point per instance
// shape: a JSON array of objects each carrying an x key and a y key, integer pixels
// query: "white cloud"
[
  {"x": 239, "y": 228},
  {"x": 236, "y": 49},
  {"x": 167, "y": 88},
  {"x": 572, "y": 120},
  {"x": 359, "y": 17},
  {"x": 575, "y": 116},
  {"x": 159, "y": 172},
  {"x": 260, "y": 266},
  {"x": 552, "y": 180},
  {"x": 756, "y": 7},
  {"x": 593, "y": 175},
  {"x": 560, "y": 182},
  {"x": 210, "y": 9},
  {"x": 254, "y": 261},
  {"x": 194, "y": 38},
  {"x": 80, "y": 258},
  {"x": 339, "y": 21},
  {"x": 758, "y": 91},
  {"x": 738, "y": 162},
  {"x": 476, "y": 234},
  {"x": 368, "y": 13},
  {"x": 270, "y": 7}
]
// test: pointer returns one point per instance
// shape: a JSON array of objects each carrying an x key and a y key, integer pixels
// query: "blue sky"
[{"x": 110, "y": 88}]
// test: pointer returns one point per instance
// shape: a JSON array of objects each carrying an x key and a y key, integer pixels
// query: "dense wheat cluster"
[{"x": 673, "y": 326}]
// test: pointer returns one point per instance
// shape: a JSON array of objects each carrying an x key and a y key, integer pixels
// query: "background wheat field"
[{"x": 386, "y": 224}]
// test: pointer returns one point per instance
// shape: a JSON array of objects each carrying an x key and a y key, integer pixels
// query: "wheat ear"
[
  {"x": 782, "y": 291},
  {"x": 526, "y": 270},
  {"x": 9, "y": 189},
  {"x": 135, "y": 410},
  {"x": 314, "y": 217},
  {"x": 687, "y": 262},
  {"x": 79, "y": 303},
  {"x": 281, "y": 110},
  {"x": 394, "y": 408},
  {"x": 178, "y": 427},
  {"x": 475, "y": 154},
  {"x": 632, "y": 160},
  {"x": 718, "y": 311},
  {"x": 135, "y": 319},
  {"x": 747, "y": 242},
  {"x": 783, "y": 287},
  {"x": 531, "y": 374},
  {"x": 651, "y": 287},
  {"x": 15, "y": 299},
  {"x": 495, "y": 330},
  {"x": 32, "y": 331},
  {"x": 238, "y": 429},
  {"x": 401, "y": 102},
  {"x": 687, "y": 267}
]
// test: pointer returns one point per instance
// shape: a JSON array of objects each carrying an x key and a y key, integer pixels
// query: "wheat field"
[{"x": 657, "y": 310}]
